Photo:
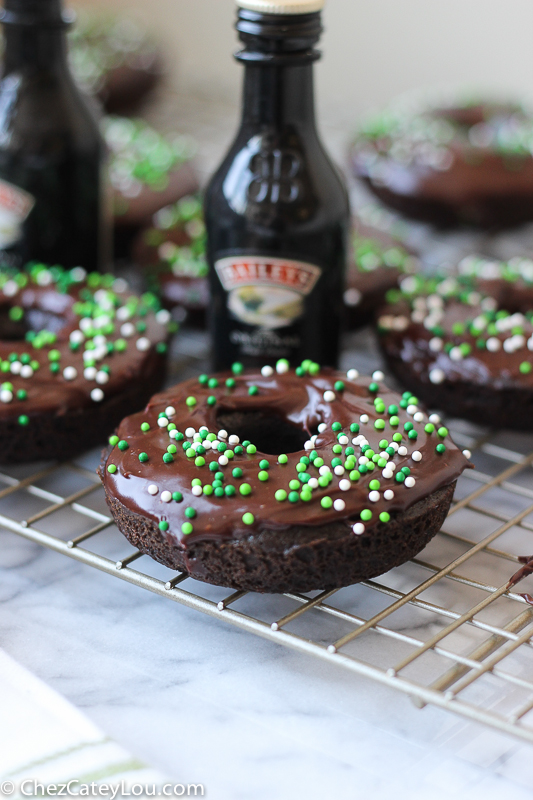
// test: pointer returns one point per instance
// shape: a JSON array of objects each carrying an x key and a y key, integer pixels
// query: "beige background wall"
[{"x": 373, "y": 49}]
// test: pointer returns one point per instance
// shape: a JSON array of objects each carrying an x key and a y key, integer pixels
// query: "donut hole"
[
  {"x": 270, "y": 433},
  {"x": 17, "y": 322}
]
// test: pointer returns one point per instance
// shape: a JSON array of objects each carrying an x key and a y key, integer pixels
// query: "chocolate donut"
[
  {"x": 172, "y": 255},
  {"x": 464, "y": 343},
  {"x": 465, "y": 163},
  {"x": 378, "y": 261},
  {"x": 76, "y": 351},
  {"x": 147, "y": 172},
  {"x": 281, "y": 480},
  {"x": 114, "y": 59}
]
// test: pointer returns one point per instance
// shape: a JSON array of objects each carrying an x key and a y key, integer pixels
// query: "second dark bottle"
[{"x": 277, "y": 211}]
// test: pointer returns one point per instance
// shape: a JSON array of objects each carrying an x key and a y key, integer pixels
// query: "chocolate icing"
[
  {"x": 284, "y": 398},
  {"x": 447, "y": 165},
  {"x": 55, "y": 311}
]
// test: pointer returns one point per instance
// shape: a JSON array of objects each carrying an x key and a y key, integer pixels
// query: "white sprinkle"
[
  {"x": 100, "y": 340},
  {"x": 70, "y": 373},
  {"x": 314, "y": 437},
  {"x": 416, "y": 455},
  {"x": 223, "y": 460},
  {"x": 15, "y": 367},
  {"x": 329, "y": 396},
  {"x": 530, "y": 343},
  {"x": 267, "y": 371},
  {"x": 196, "y": 491},
  {"x": 44, "y": 278},
  {"x": 412, "y": 409},
  {"x": 123, "y": 313},
  {"x": 456, "y": 354},
  {"x": 195, "y": 445},
  {"x": 102, "y": 377},
  {"x": 387, "y": 473},
  {"x": 435, "y": 344},
  {"x": 222, "y": 434},
  {"x": 313, "y": 483},
  {"x": 322, "y": 427},
  {"x": 339, "y": 505},
  {"x": 363, "y": 418},
  {"x": 119, "y": 284},
  {"x": 402, "y": 451},
  {"x": 6, "y": 396},
  {"x": 173, "y": 434},
  {"x": 343, "y": 439},
  {"x": 435, "y": 419},
  {"x": 352, "y": 374},
  {"x": 374, "y": 497},
  {"x": 86, "y": 324},
  {"x": 97, "y": 395},
  {"x": 357, "y": 440},
  {"x": 363, "y": 460},
  {"x": 76, "y": 337},
  {"x": 201, "y": 428},
  {"x": 410, "y": 482},
  {"x": 308, "y": 445},
  {"x": 418, "y": 417},
  {"x": 388, "y": 494},
  {"x": 162, "y": 422},
  {"x": 152, "y": 489},
  {"x": 207, "y": 444},
  {"x": 143, "y": 344},
  {"x": 339, "y": 470},
  {"x": 358, "y": 528},
  {"x": 170, "y": 411},
  {"x": 166, "y": 497},
  {"x": 378, "y": 375},
  {"x": 189, "y": 433},
  {"x": 89, "y": 373},
  {"x": 10, "y": 288},
  {"x": 26, "y": 371},
  {"x": 436, "y": 375},
  {"x": 394, "y": 446},
  {"x": 163, "y": 316},
  {"x": 344, "y": 485},
  {"x": 233, "y": 439},
  {"x": 197, "y": 438},
  {"x": 466, "y": 453},
  {"x": 282, "y": 367},
  {"x": 493, "y": 344},
  {"x": 214, "y": 444},
  {"x": 324, "y": 470}
]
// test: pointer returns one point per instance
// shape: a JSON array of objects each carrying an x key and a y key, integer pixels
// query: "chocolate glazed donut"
[
  {"x": 465, "y": 343},
  {"x": 468, "y": 163},
  {"x": 286, "y": 480}
]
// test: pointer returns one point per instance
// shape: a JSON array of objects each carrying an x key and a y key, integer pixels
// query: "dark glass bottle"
[
  {"x": 277, "y": 211},
  {"x": 52, "y": 158}
]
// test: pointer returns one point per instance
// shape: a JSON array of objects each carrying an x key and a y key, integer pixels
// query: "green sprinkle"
[
  {"x": 248, "y": 518},
  {"x": 24, "y": 420},
  {"x": 237, "y": 472},
  {"x": 230, "y": 490},
  {"x": 408, "y": 426},
  {"x": 203, "y": 379},
  {"x": 113, "y": 441},
  {"x": 54, "y": 355},
  {"x": 211, "y": 400},
  {"x": 187, "y": 528},
  {"x": 208, "y": 489},
  {"x": 143, "y": 457},
  {"x": 429, "y": 428},
  {"x": 336, "y": 427},
  {"x": 177, "y": 497},
  {"x": 373, "y": 387},
  {"x": 326, "y": 502},
  {"x": 190, "y": 512},
  {"x": 22, "y": 394},
  {"x": 168, "y": 458},
  {"x": 219, "y": 491},
  {"x": 366, "y": 514},
  {"x": 412, "y": 434},
  {"x": 525, "y": 367},
  {"x": 112, "y": 469},
  {"x": 230, "y": 383},
  {"x": 212, "y": 383},
  {"x": 392, "y": 410},
  {"x": 379, "y": 424},
  {"x": 384, "y": 517},
  {"x": 282, "y": 459},
  {"x": 355, "y": 475},
  {"x": 253, "y": 390},
  {"x": 251, "y": 449},
  {"x": 191, "y": 401},
  {"x": 400, "y": 477},
  {"x": 323, "y": 481},
  {"x": 263, "y": 475},
  {"x": 199, "y": 461},
  {"x": 263, "y": 464},
  {"x": 171, "y": 448},
  {"x": 245, "y": 489},
  {"x": 280, "y": 495},
  {"x": 163, "y": 525},
  {"x": 196, "y": 482},
  {"x": 338, "y": 386},
  {"x": 314, "y": 368},
  {"x": 374, "y": 485},
  {"x": 318, "y": 462},
  {"x": 237, "y": 368},
  {"x": 394, "y": 421},
  {"x": 123, "y": 445},
  {"x": 354, "y": 427},
  {"x": 145, "y": 427},
  {"x": 440, "y": 448},
  {"x": 443, "y": 432},
  {"x": 293, "y": 497},
  {"x": 397, "y": 437},
  {"x": 294, "y": 484}
]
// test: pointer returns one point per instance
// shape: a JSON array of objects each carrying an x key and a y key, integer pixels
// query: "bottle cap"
[{"x": 282, "y": 6}]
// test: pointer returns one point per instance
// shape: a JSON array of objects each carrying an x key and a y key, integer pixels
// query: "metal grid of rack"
[{"x": 443, "y": 628}]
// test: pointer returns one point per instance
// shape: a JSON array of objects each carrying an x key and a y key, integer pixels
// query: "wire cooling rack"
[{"x": 443, "y": 628}]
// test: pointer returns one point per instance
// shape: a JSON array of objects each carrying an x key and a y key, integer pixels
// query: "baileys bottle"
[{"x": 277, "y": 210}]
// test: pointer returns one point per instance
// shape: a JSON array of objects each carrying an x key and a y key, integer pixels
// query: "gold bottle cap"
[{"x": 282, "y": 6}]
